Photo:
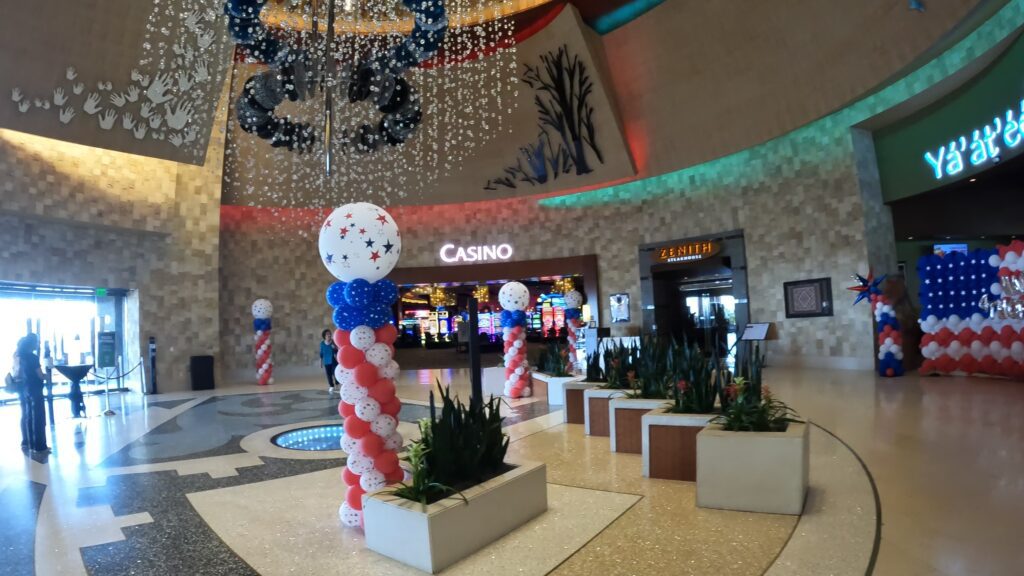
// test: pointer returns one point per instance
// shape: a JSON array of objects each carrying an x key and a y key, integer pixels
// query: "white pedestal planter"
[
  {"x": 556, "y": 386},
  {"x": 752, "y": 471},
  {"x": 595, "y": 409},
  {"x": 625, "y": 427},
  {"x": 435, "y": 536},
  {"x": 670, "y": 443}
]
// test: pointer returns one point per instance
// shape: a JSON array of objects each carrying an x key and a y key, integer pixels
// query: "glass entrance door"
[{"x": 711, "y": 316}]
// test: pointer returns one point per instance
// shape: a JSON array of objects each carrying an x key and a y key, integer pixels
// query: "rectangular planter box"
[
  {"x": 625, "y": 422},
  {"x": 752, "y": 471},
  {"x": 595, "y": 409},
  {"x": 574, "y": 412},
  {"x": 433, "y": 537},
  {"x": 555, "y": 386},
  {"x": 670, "y": 444}
]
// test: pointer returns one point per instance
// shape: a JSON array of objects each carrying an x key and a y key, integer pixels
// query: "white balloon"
[
  {"x": 344, "y": 375},
  {"x": 262, "y": 309},
  {"x": 359, "y": 463},
  {"x": 978, "y": 350},
  {"x": 394, "y": 442},
  {"x": 527, "y": 392},
  {"x": 517, "y": 344},
  {"x": 995, "y": 288},
  {"x": 384, "y": 425},
  {"x": 352, "y": 393},
  {"x": 994, "y": 261},
  {"x": 362, "y": 337},
  {"x": 519, "y": 371},
  {"x": 573, "y": 299},
  {"x": 349, "y": 445},
  {"x": 372, "y": 481},
  {"x": 368, "y": 409},
  {"x": 1011, "y": 258},
  {"x": 514, "y": 296},
  {"x": 350, "y": 516},
  {"x": 367, "y": 235},
  {"x": 379, "y": 355},
  {"x": 390, "y": 370}
]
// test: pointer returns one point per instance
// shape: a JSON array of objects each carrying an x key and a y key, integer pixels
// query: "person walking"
[
  {"x": 33, "y": 410},
  {"x": 329, "y": 358}
]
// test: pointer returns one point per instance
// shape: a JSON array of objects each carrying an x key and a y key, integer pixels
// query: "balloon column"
[
  {"x": 514, "y": 298},
  {"x": 360, "y": 244},
  {"x": 890, "y": 340},
  {"x": 262, "y": 310},
  {"x": 972, "y": 313},
  {"x": 573, "y": 320}
]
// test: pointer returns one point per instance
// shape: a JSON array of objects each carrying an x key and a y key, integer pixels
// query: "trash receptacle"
[{"x": 201, "y": 368}]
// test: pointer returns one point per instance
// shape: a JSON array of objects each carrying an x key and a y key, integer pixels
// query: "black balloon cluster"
[{"x": 377, "y": 78}]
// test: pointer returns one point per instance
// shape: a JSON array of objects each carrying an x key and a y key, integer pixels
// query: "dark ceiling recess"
[{"x": 990, "y": 204}]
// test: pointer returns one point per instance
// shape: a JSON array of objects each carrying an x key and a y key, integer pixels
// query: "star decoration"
[
  {"x": 868, "y": 287},
  {"x": 375, "y": 255},
  {"x": 369, "y": 243},
  {"x": 329, "y": 259},
  {"x": 348, "y": 216},
  {"x": 344, "y": 232},
  {"x": 327, "y": 224},
  {"x": 344, "y": 257},
  {"x": 388, "y": 247},
  {"x": 362, "y": 231},
  {"x": 383, "y": 219}
]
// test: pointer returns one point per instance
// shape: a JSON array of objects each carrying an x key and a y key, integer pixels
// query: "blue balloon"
[
  {"x": 359, "y": 293},
  {"x": 506, "y": 317},
  {"x": 385, "y": 292},
  {"x": 261, "y": 324},
  {"x": 519, "y": 318},
  {"x": 336, "y": 294}
]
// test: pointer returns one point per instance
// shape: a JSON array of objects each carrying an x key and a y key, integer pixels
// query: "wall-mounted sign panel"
[{"x": 686, "y": 252}]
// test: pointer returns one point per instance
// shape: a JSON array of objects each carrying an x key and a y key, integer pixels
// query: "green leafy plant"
[
  {"x": 653, "y": 361},
  {"x": 463, "y": 446},
  {"x": 697, "y": 380},
  {"x": 554, "y": 360},
  {"x": 748, "y": 405},
  {"x": 594, "y": 371},
  {"x": 620, "y": 365}
]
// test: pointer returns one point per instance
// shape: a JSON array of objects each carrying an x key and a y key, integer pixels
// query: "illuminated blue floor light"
[{"x": 312, "y": 439}]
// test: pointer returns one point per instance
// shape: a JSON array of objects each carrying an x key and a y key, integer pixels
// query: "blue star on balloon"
[{"x": 867, "y": 287}]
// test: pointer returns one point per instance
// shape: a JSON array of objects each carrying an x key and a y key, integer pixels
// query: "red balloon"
[
  {"x": 350, "y": 357},
  {"x": 349, "y": 477},
  {"x": 965, "y": 337},
  {"x": 927, "y": 339},
  {"x": 890, "y": 372},
  {"x": 356, "y": 428},
  {"x": 371, "y": 445},
  {"x": 382, "y": 390},
  {"x": 386, "y": 462},
  {"x": 927, "y": 367},
  {"x": 969, "y": 364},
  {"x": 944, "y": 336},
  {"x": 1008, "y": 366},
  {"x": 387, "y": 334},
  {"x": 395, "y": 476},
  {"x": 392, "y": 407},
  {"x": 365, "y": 374},
  {"x": 1006, "y": 331},
  {"x": 345, "y": 409},
  {"x": 341, "y": 338},
  {"x": 354, "y": 497}
]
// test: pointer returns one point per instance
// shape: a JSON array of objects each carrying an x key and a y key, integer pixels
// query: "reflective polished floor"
[{"x": 197, "y": 472}]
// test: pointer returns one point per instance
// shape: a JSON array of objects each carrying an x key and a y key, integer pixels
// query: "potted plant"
[
  {"x": 621, "y": 363},
  {"x": 554, "y": 371},
  {"x": 655, "y": 364},
  {"x": 462, "y": 494},
  {"x": 670, "y": 432},
  {"x": 754, "y": 456}
]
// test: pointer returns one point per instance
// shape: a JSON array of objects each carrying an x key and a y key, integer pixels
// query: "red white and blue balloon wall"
[
  {"x": 360, "y": 244},
  {"x": 262, "y": 311}
]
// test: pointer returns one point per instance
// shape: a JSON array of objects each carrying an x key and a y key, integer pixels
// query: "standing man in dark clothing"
[{"x": 33, "y": 411}]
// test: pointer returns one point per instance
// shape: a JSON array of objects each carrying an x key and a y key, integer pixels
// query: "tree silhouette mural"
[{"x": 566, "y": 137}]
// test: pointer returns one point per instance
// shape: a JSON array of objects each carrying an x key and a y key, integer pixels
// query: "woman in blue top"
[
  {"x": 329, "y": 358},
  {"x": 33, "y": 413}
]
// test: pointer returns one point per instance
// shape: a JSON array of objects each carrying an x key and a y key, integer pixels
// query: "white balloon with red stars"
[
  {"x": 262, "y": 309},
  {"x": 362, "y": 337},
  {"x": 360, "y": 240},
  {"x": 573, "y": 299},
  {"x": 379, "y": 355},
  {"x": 514, "y": 296}
]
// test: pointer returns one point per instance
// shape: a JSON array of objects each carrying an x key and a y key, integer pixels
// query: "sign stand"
[{"x": 758, "y": 332}]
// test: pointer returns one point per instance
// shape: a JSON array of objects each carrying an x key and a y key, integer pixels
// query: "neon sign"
[
  {"x": 452, "y": 253},
  {"x": 687, "y": 252},
  {"x": 982, "y": 146}
]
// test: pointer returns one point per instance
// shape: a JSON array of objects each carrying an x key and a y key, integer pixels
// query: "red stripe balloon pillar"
[
  {"x": 573, "y": 322},
  {"x": 514, "y": 297},
  {"x": 359, "y": 245},
  {"x": 262, "y": 310}
]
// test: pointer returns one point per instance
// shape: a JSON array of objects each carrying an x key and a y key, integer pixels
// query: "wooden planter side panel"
[
  {"x": 628, "y": 429},
  {"x": 599, "y": 425},
  {"x": 674, "y": 452},
  {"x": 539, "y": 388},
  {"x": 574, "y": 406}
]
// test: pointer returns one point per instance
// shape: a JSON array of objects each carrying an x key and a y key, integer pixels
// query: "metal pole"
[
  {"x": 475, "y": 377},
  {"x": 108, "y": 411}
]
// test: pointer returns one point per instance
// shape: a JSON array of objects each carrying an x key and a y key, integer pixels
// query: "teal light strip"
[
  {"x": 622, "y": 15},
  {"x": 751, "y": 164}
]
